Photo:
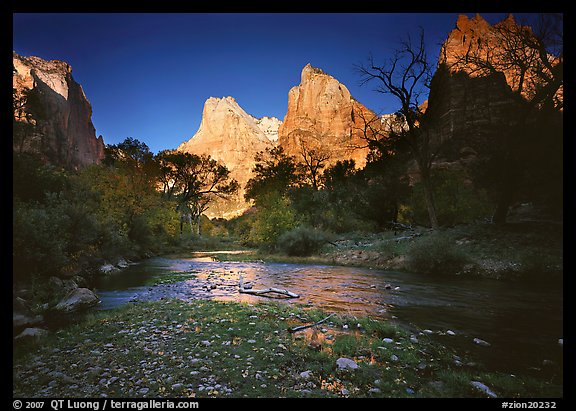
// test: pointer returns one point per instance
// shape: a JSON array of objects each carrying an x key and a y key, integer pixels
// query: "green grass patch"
[{"x": 222, "y": 349}]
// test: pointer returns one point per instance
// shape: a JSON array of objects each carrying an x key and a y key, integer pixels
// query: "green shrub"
[
  {"x": 457, "y": 201},
  {"x": 272, "y": 220},
  {"x": 436, "y": 254},
  {"x": 301, "y": 241}
]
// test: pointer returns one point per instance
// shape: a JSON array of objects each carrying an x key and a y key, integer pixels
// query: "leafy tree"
[
  {"x": 275, "y": 217},
  {"x": 274, "y": 172},
  {"x": 194, "y": 182}
]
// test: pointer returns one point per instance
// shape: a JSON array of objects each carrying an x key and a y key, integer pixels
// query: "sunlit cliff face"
[
  {"x": 477, "y": 48},
  {"x": 52, "y": 114},
  {"x": 322, "y": 115},
  {"x": 232, "y": 137}
]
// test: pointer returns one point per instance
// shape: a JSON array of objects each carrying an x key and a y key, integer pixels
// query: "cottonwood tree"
[
  {"x": 532, "y": 60},
  {"x": 194, "y": 182},
  {"x": 405, "y": 76},
  {"x": 274, "y": 172}
]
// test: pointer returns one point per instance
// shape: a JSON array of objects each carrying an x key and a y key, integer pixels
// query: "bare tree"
[
  {"x": 315, "y": 159},
  {"x": 406, "y": 76}
]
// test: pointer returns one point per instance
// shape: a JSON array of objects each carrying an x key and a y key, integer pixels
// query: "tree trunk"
[
  {"x": 428, "y": 195},
  {"x": 197, "y": 226},
  {"x": 504, "y": 203},
  {"x": 430, "y": 205},
  {"x": 245, "y": 290}
]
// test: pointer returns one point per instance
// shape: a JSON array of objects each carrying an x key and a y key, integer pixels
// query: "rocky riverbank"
[
  {"x": 515, "y": 251},
  {"x": 212, "y": 349},
  {"x": 32, "y": 312}
]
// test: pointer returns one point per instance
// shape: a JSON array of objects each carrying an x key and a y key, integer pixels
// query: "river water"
[{"x": 522, "y": 321}]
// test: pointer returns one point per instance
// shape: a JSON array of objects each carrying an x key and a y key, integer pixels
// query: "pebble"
[
  {"x": 428, "y": 331},
  {"x": 394, "y": 357},
  {"x": 177, "y": 387},
  {"x": 346, "y": 363},
  {"x": 251, "y": 341},
  {"x": 143, "y": 391},
  {"x": 306, "y": 374},
  {"x": 410, "y": 391},
  {"x": 413, "y": 339},
  {"x": 387, "y": 340},
  {"x": 374, "y": 390},
  {"x": 450, "y": 332}
]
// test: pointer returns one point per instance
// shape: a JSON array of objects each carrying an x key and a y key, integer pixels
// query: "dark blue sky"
[{"x": 147, "y": 75}]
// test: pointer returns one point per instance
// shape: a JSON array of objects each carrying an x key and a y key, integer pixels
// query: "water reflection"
[{"x": 522, "y": 322}]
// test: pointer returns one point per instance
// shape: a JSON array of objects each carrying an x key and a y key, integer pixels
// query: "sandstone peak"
[
  {"x": 474, "y": 42},
  {"x": 321, "y": 115},
  {"x": 230, "y": 135},
  {"x": 308, "y": 72}
]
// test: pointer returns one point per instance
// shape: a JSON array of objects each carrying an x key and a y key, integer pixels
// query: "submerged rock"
[
  {"x": 107, "y": 269},
  {"x": 482, "y": 343}
]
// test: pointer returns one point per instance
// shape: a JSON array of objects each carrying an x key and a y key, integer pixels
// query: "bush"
[
  {"x": 301, "y": 241},
  {"x": 436, "y": 254},
  {"x": 272, "y": 220},
  {"x": 457, "y": 202}
]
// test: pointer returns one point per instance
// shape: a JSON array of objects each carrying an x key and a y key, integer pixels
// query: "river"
[{"x": 522, "y": 322}]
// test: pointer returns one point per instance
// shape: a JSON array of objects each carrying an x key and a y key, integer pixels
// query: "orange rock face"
[
  {"x": 322, "y": 115},
  {"x": 475, "y": 47},
  {"x": 52, "y": 115},
  {"x": 231, "y": 136}
]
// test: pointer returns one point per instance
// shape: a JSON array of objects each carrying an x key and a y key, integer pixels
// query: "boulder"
[
  {"x": 77, "y": 299},
  {"x": 483, "y": 388},
  {"x": 22, "y": 316},
  {"x": 32, "y": 333}
]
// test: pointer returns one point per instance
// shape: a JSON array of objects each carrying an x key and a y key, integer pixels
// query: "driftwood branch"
[
  {"x": 263, "y": 292},
  {"x": 303, "y": 327}
]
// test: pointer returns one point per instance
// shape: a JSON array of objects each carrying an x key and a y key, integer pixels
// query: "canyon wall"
[{"x": 52, "y": 116}]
